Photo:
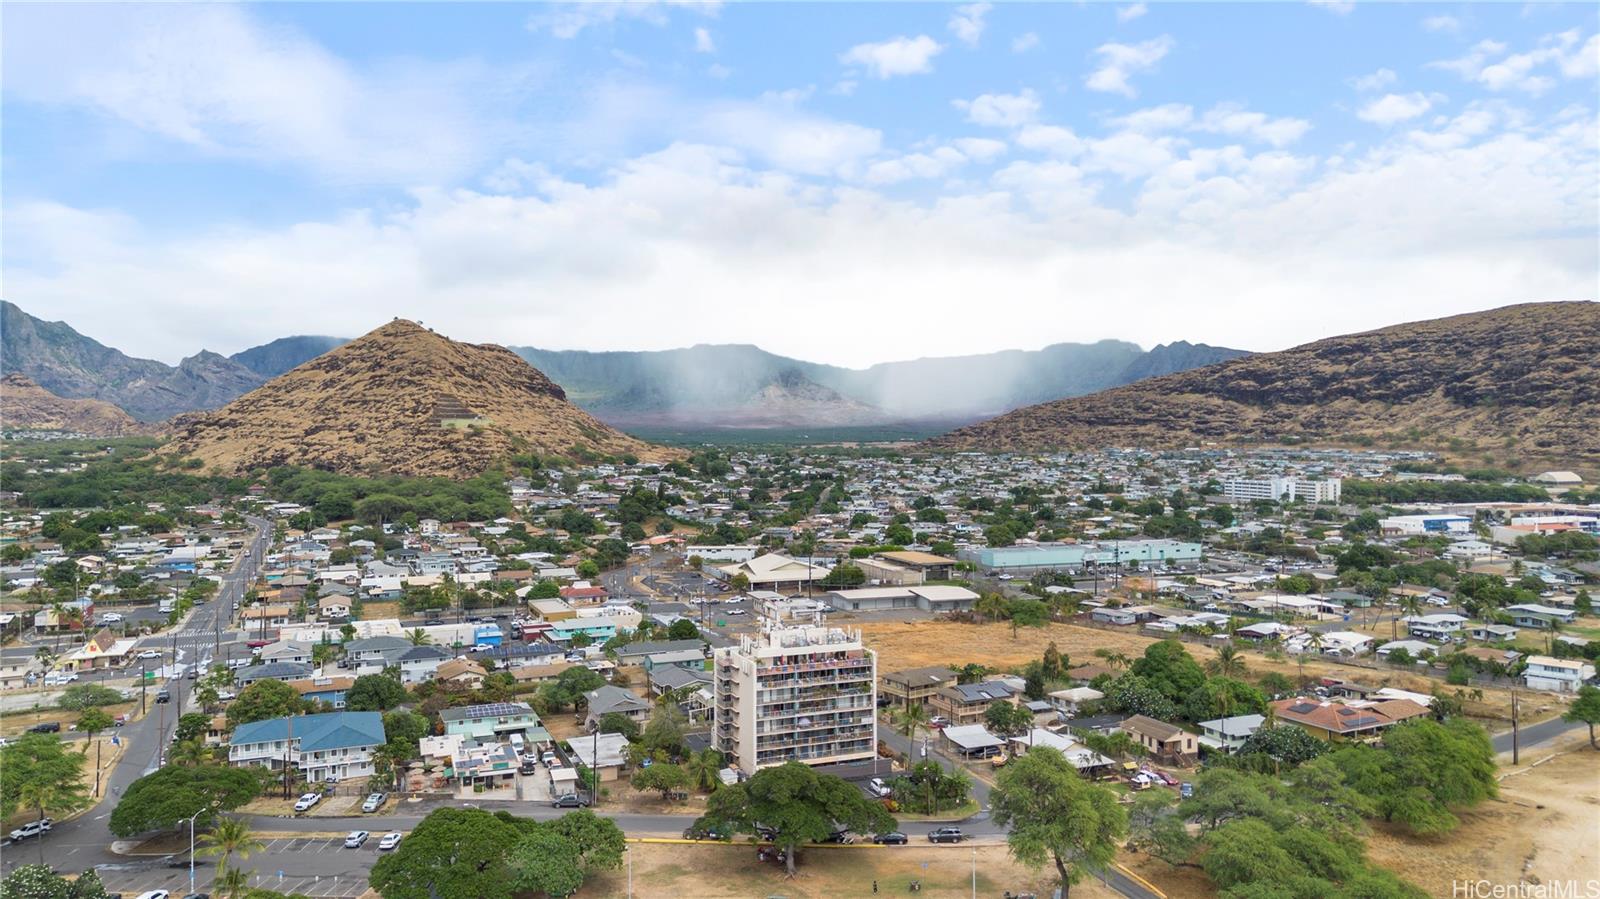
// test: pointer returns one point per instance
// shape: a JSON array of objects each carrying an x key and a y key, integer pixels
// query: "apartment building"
[
  {"x": 805, "y": 693},
  {"x": 915, "y": 686},
  {"x": 330, "y": 747},
  {"x": 1244, "y": 490}
]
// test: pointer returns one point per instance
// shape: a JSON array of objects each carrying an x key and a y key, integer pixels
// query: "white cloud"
[
  {"x": 703, "y": 42},
  {"x": 788, "y": 139},
  {"x": 896, "y": 56},
  {"x": 1001, "y": 110},
  {"x": 568, "y": 20},
  {"x": 1235, "y": 120},
  {"x": 933, "y": 164},
  {"x": 1376, "y": 81},
  {"x": 980, "y": 149},
  {"x": 967, "y": 24},
  {"x": 1118, "y": 62},
  {"x": 1337, "y": 7},
  {"x": 214, "y": 78},
  {"x": 1565, "y": 53},
  {"x": 1392, "y": 108},
  {"x": 1129, "y": 13},
  {"x": 1052, "y": 139},
  {"x": 844, "y": 88},
  {"x": 1405, "y": 230},
  {"x": 1022, "y": 43},
  {"x": 1449, "y": 24},
  {"x": 1156, "y": 119}
]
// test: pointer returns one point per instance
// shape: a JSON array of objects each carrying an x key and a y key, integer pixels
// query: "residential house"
[
  {"x": 1534, "y": 615},
  {"x": 418, "y": 663},
  {"x": 1557, "y": 675},
  {"x": 968, "y": 703},
  {"x": 1444, "y": 626},
  {"x": 1338, "y": 722},
  {"x": 461, "y": 671},
  {"x": 490, "y": 721},
  {"x": 374, "y": 650},
  {"x": 636, "y": 653},
  {"x": 604, "y": 753},
  {"x": 676, "y": 658},
  {"x": 612, "y": 699},
  {"x": 286, "y": 651},
  {"x": 1160, "y": 739},
  {"x": 1089, "y": 763},
  {"x": 1068, "y": 701},
  {"x": 326, "y": 748},
  {"x": 284, "y": 671},
  {"x": 1228, "y": 734},
  {"x": 264, "y": 616},
  {"x": 598, "y": 630},
  {"x": 333, "y": 608},
  {"x": 914, "y": 686},
  {"x": 330, "y": 690}
]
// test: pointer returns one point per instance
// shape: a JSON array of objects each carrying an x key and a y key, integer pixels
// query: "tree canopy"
[
  {"x": 1054, "y": 815},
  {"x": 797, "y": 804},
  {"x": 374, "y": 693},
  {"x": 168, "y": 796},
  {"x": 264, "y": 700}
]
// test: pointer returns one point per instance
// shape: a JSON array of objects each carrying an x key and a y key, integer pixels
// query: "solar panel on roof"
[
  {"x": 1347, "y": 711},
  {"x": 1363, "y": 721},
  {"x": 1302, "y": 707}
]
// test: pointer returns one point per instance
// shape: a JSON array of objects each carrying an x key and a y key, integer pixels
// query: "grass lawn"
[{"x": 964, "y": 810}]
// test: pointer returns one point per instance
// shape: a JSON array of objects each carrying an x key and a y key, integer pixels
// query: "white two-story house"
[{"x": 1557, "y": 675}]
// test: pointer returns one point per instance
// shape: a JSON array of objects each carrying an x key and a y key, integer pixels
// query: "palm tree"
[
  {"x": 231, "y": 883},
  {"x": 704, "y": 768},
  {"x": 230, "y": 837},
  {"x": 909, "y": 719},
  {"x": 188, "y": 754},
  {"x": 419, "y": 637},
  {"x": 1228, "y": 663}
]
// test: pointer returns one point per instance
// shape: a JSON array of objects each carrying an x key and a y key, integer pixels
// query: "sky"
[{"x": 844, "y": 183}]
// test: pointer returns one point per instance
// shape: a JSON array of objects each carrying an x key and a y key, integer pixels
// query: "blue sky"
[{"x": 849, "y": 183}]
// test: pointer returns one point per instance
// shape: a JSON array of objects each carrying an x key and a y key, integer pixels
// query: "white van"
[
  {"x": 517, "y": 744},
  {"x": 167, "y": 605}
]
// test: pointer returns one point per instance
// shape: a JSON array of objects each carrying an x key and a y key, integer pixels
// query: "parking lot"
[{"x": 312, "y": 866}]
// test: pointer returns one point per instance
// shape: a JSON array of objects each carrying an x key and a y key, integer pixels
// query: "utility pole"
[
  {"x": 1515, "y": 736},
  {"x": 144, "y": 686}
]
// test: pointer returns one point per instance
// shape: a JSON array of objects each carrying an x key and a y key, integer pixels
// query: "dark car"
[
  {"x": 892, "y": 838},
  {"x": 571, "y": 800},
  {"x": 164, "y": 695},
  {"x": 703, "y": 833},
  {"x": 946, "y": 835},
  {"x": 45, "y": 727}
]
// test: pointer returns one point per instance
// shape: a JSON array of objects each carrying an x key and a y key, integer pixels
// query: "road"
[
  {"x": 1537, "y": 734},
  {"x": 85, "y": 841}
]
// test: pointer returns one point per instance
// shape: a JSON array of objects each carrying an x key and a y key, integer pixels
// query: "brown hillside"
[
  {"x": 25, "y": 405},
  {"x": 401, "y": 400},
  {"x": 1519, "y": 381}
]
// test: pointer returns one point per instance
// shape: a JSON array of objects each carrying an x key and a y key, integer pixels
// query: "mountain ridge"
[
  {"x": 25, "y": 406},
  {"x": 1522, "y": 379}
]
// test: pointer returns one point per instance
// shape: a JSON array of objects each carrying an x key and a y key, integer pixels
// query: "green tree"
[
  {"x": 43, "y": 776},
  {"x": 1423, "y": 770},
  {"x": 683, "y": 629},
  {"x": 93, "y": 722},
  {"x": 1229, "y": 662},
  {"x": 373, "y": 693},
  {"x": 1285, "y": 743},
  {"x": 191, "y": 726},
  {"x": 1585, "y": 708},
  {"x": 452, "y": 852},
  {"x": 618, "y": 723},
  {"x": 78, "y": 697},
  {"x": 1028, "y": 613},
  {"x": 40, "y": 882},
  {"x": 1167, "y": 666},
  {"x": 601, "y": 843},
  {"x": 662, "y": 776},
  {"x": 798, "y": 804},
  {"x": 265, "y": 700},
  {"x": 169, "y": 796},
  {"x": 1007, "y": 720},
  {"x": 1053, "y": 814},
  {"x": 910, "y": 718}
]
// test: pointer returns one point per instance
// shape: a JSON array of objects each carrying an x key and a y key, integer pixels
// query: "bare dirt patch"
[{"x": 709, "y": 872}]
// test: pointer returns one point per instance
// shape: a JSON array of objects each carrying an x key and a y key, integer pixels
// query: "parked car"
[
  {"x": 528, "y": 766},
  {"x": 374, "y": 802},
  {"x": 355, "y": 839},
  {"x": 45, "y": 727},
  {"x": 878, "y": 788},
  {"x": 149, "y": 654},
  {"x": 108, "y": 618},
  {"x": 1186, "y": 790},
  {"x": 482, "y": 647},
  {"x": 892, "y": 838},
  {"x": 198, "y": 896},
  {"x": 306, "y": 801},
  {"x": 155, "y": 894},
  {"x": 703, "y": 833},
  {"x": 227, "y": 695},
  {"x": 571, "y": 800},
  {"x": 946, "y": 835},
  {"x": 389, "y": 841},
  {"x": 32, "y": 829},
  {"x": 550, "y": 760}
]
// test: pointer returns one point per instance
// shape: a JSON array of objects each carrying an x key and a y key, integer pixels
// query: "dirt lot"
[
  {"x": 375, "y": 611},
  {"x": 16, "y": 723},
  {"x": 1544, "y": 827},
  {"x": 911, "y": 644},
  {"x": 676, "y": 869}
]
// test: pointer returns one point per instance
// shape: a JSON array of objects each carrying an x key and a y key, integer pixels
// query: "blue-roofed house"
[{"x": 336, "y": 746}]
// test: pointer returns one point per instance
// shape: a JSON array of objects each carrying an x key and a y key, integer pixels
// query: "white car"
[
  {"x": 109, "y": 618},
  {"x": 307, "y": 800},
  {"x": 355, "y": 839},
  {"x": 59, "y": 678},
  {"x": 482, "y": 647},
  {"x": 150, "y": 654},
  {"x": 227, "y": 696},
  {"x": 389, "y": 841},
  {"x": 155, "y": 894}
]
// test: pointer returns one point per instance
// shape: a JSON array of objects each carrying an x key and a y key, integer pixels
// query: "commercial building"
[
  {"x": 1281, "y": 489},
  {"x": 1405, "y": 525},
  {"x": 1077, "y": 556},
  {"x": 937, "y": 599},
  {"x": 796, "y": 693}
]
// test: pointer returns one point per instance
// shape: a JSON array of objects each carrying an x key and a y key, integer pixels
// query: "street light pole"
[{"x": 191, "y": 847}]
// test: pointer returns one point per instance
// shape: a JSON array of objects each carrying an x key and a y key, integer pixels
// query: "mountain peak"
[{"x": 400, "y": 399}]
